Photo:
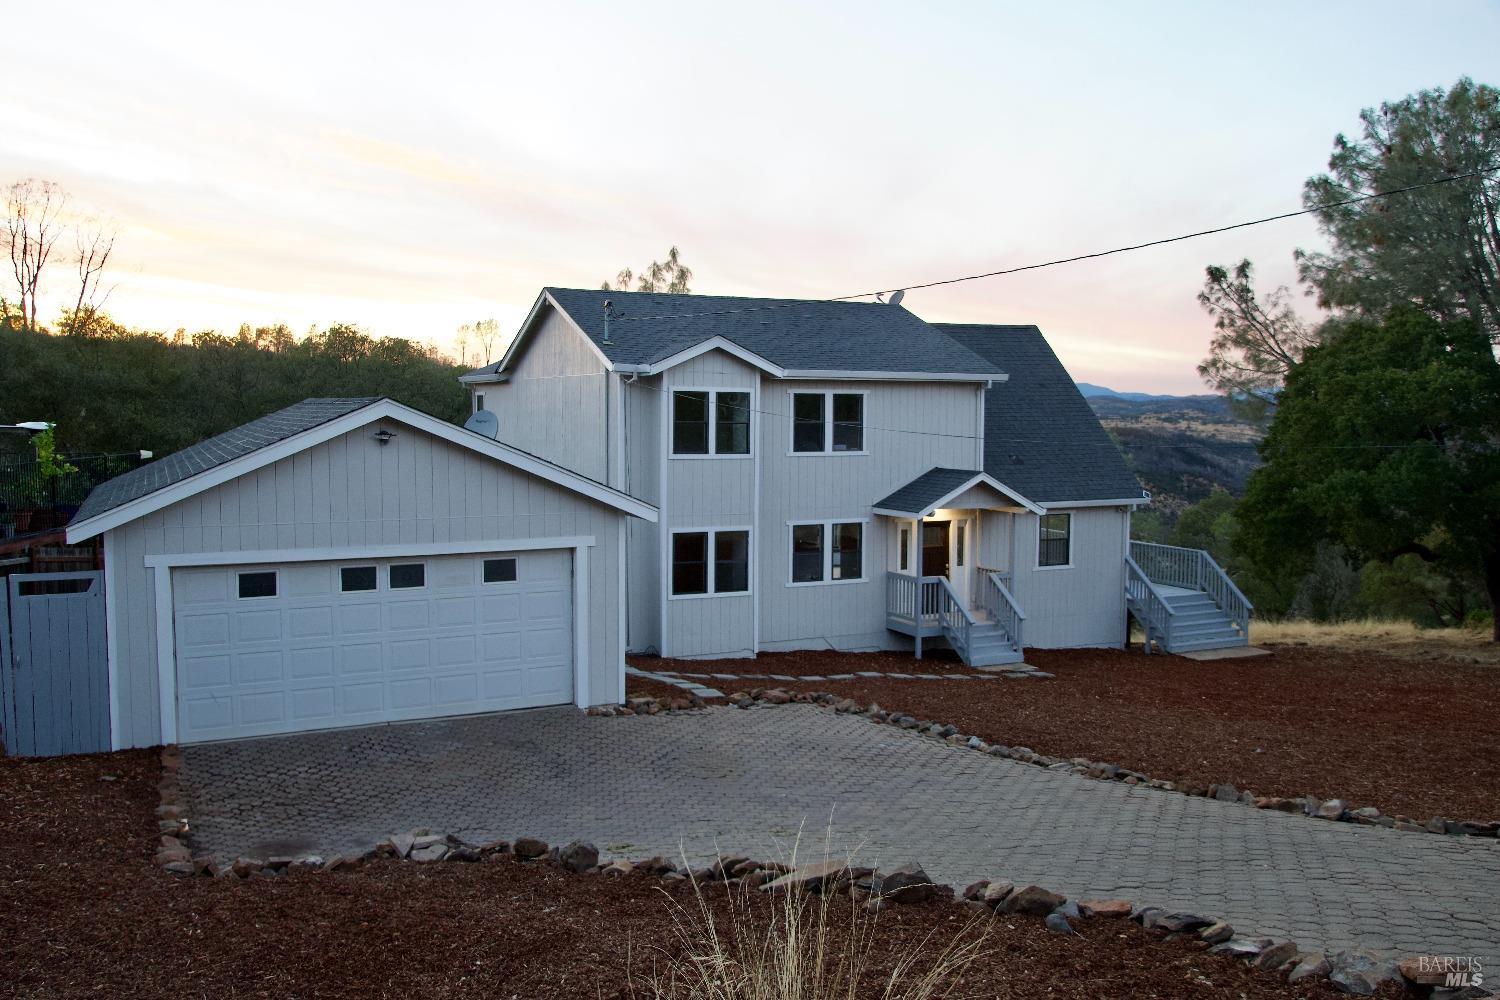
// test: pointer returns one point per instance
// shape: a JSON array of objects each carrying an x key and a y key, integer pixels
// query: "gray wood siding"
[
  {"x": 1083, "y": 605},
  {"x": 643, "y": 401},
  {"x": 353, "y": 492},
  {"x": 557, "y": 402},
  {"x": 707, "y": 493},
  {"x": 909, "y": 428}
]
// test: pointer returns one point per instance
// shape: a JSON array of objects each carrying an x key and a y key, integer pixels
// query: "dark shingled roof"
[
  {"x": 926, "y": 490},
  {"x": 790, "y": 333},
  {"x": 1041, "y": 438},
  {"x": 215, "y": 451}
]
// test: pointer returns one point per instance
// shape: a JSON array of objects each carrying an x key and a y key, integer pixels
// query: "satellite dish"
[
  {"x": 484, "y": 422},
  {"x": 896, "y": 297}
]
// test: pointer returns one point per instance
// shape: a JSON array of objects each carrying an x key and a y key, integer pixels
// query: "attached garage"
[{"x": 353, "y": 562}]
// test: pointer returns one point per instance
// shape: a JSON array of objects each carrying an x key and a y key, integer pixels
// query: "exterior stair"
[
  {"x": 1184, "y": 600},
  {"x": 989, "y": 645}
]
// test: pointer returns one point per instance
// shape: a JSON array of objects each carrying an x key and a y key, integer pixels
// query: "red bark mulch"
[
  {"x": 85, "y": 913},
  {"x": 1407, "y": 737}
]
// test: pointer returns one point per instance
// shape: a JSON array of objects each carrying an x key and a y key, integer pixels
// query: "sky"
[{"x": 411, "y": 167}]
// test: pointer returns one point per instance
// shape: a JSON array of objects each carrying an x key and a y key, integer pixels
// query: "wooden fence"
[{"x": 54, "y": 667}]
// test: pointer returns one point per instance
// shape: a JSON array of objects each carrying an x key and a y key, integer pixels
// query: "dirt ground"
[
  {"x": 83, "y": 912},
  {"x": 1408, "y": 737}
]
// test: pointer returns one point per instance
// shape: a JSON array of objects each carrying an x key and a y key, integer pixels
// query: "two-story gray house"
[{"x": 840, "y": 475}]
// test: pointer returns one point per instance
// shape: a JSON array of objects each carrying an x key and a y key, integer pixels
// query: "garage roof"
[
  {"x": 286, "y": 432},
  {"x": 217, "y": 450}
]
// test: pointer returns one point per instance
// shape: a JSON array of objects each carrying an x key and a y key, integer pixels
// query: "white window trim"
[
  {"x": 712, "y": 566},
  {"x": 827, "y": 525},
  {"x": 713, "y": 422},
  {"x": 478, "y": 401},
  {"x": 275, "y": 577},
  {"x": 405, "y": 562},
  {"x": 1067, "y": 565},
  {"x": 361, "y": 565},
  {"x": 498, "y": 583},
  {"x": 827, "y": 452}
]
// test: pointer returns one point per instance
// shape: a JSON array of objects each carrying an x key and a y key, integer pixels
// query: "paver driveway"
[{"x": 747, "y": 780}]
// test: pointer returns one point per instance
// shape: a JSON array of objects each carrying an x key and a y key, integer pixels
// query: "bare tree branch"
[{"x": 32, "y": 211}]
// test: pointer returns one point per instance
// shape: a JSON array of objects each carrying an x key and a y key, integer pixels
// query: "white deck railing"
[{"x": 1193, "y": 569}]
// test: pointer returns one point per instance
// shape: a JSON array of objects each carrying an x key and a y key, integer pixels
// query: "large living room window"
[
  {"x": 1054, "y": 540},
  {"x": 710, "y": 422},
  {"x": 706, "y": 563},
  {"x": 828, "y": 423},
  {"x": 828, "y": 552}
]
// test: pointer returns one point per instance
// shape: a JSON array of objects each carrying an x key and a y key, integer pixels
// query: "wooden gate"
[{"x": 54, "y": 665}]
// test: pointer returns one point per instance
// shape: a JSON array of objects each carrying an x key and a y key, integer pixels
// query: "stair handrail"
[
  {"x": 1196, "y": 569},
  {"x": 1151, "y": 603},
  {"x": 1230, "y": 599},
  {"x": 957, "y": 622},
  {"x": 1007, "y": 610}
]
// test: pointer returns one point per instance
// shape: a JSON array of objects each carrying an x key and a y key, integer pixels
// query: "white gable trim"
[
  {"x": 1124, "y": 502},
  {"x": 977, "y": 479},
  {"x": 715, "y": 343},
  {"x": 524, "y": 333},
  {"x": 380, "y": 409}
]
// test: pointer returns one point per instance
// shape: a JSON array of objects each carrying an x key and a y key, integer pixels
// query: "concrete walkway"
[{"x": 748, "y": 780}]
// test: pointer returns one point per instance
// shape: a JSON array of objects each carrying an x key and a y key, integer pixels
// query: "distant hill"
[
  {"x": 1181, "y": 447},
  {"x": 1091, "y": 391}
]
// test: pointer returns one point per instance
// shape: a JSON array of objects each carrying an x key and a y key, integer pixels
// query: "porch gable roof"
[{"x": 936, "y": 487}]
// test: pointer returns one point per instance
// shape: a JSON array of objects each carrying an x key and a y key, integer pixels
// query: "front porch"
[
  {"x": 927, "y": 607},
  {"x": 954, "y": 529}
]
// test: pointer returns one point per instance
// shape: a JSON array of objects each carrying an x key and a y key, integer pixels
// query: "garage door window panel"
[
  {"x": 408, "y": 576},
  {"x": 499, "y": 571},
  {"x": 257, "y": 584},
  {"x": 356, "y": 579}
]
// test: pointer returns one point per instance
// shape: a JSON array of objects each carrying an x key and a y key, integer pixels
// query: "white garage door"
[{"x": 296, "y": 646}]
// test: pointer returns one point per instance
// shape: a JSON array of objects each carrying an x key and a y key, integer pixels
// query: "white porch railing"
[
  {"x": 1193, "y": 569},
  {"x": 1148, "y": 605},
  {"x": 996, "y": 598}
]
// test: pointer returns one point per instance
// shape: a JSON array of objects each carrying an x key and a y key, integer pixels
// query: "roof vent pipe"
[{"x": 609, "y": 310}]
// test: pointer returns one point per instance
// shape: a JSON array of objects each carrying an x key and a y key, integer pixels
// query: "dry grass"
[
  {"x": 1391, "y": 638},
  {"x": 801, "y": 946}
]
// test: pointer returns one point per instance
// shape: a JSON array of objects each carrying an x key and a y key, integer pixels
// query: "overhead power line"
[{"x": 1355, "y": 200}]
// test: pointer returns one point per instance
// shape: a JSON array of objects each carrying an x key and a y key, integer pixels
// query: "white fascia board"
[
  {"x": 1124, "y": 502},
  {"x": 384, "y": 408},
  {"x": 982, "y": 477},
  {"x": 482, "y": 378},
  {"x": 867, "y": 376},
  {"x": 527, "y": 325},
  {"x": 993, "y": 484},
  {"x": 712, "y": 344}
]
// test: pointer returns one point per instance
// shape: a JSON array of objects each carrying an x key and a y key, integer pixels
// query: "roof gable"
[
  {"x": 286, "y": 432},
  {"x": 937, "y": 487},
  {"x": 788, "y": 337},
  {"x": 1040, "y": 435}
]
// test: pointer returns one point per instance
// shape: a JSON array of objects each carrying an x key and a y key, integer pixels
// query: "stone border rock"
[
  {"x": 1352, "y": 971},
  {"x": 1330, "y": 809}
]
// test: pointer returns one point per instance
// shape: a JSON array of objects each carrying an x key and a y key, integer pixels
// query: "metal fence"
[{"x": 31, "y": 503}]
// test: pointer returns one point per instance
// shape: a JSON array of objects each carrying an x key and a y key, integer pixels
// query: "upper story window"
[
  {"x": 1054, "y": 540},
  {"x": 825, "y": 423},
  {"x": 710, "y": 422},
  {"x": 478, "y": 401}
]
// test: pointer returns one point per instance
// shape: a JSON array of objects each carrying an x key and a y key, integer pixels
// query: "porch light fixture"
[{"x": 384, "y": 436}]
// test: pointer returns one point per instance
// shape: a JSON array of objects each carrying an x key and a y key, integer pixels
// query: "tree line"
[{"x": 1380, "y": 485}]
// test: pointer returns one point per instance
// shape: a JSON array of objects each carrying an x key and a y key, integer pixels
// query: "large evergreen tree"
[{"x": 1386, "y": 441}]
